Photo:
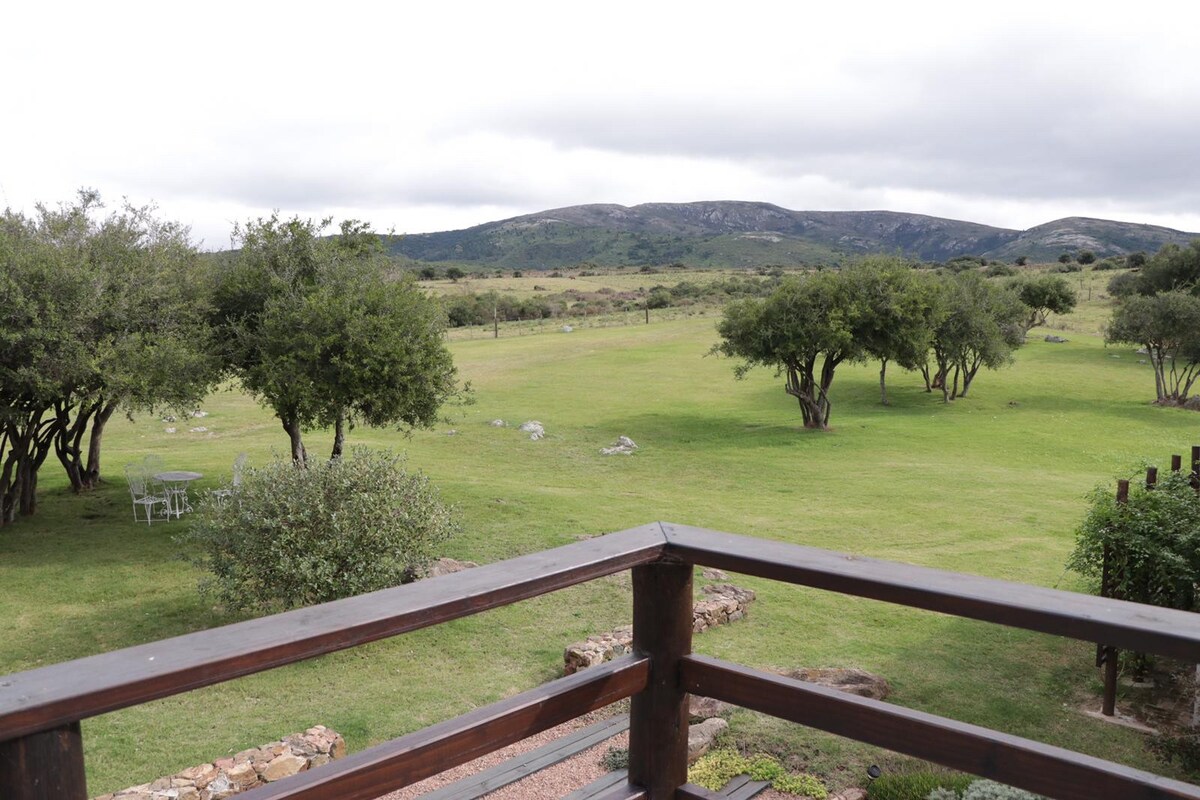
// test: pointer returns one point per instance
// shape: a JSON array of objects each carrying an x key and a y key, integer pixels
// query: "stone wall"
[
  {"x": 226, "y": 777},
  {"x": 719, "y": 604}
]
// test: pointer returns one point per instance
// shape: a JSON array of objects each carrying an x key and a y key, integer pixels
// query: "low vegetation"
[{"x": 288, "y": 537}]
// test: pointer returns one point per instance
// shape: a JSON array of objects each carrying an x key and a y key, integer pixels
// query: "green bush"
[
  {"x": 990, "y": 790},
  {"x": 720, "y": 766},
  {"x": 292, "y": 537},
  {"x": 615, "y": 758},
  {"x": 915, "y": 785},
  {"x": 1182, "y": 749},
  {"x": 998, "y": 270}
]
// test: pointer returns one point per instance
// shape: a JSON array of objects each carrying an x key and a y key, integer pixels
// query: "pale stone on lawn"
[
  {"x": 701, "y": 736},
  {"x": 535, "y": 430}
]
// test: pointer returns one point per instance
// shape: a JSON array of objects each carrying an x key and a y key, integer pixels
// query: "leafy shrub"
[
  {"x": 1066, "y": 267},
  {"x": 990, "y": 790},
  {"x": 1182, "y": 749},
  {"x": 717, "y": 768},
  {"x": 615, "y": 758},
  {"x": 1153, "y": 541},
  {"x": 1126, "y": 283},
  {"x": 293, "y": 537},
  {"x": 1107, "y": 264},
  {"x": 916, "y": 785},
  {"x": 998, "y": 270}
]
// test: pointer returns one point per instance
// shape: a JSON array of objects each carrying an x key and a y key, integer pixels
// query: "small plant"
[
  {"x": 616, "y": 758},
  {"x": 1182, "y": 749},
  {"x": 918, "y": 786},
  {"x": 293, "y": 537},
  {"x": 990, "y": 790},
  {"x": 717, "y": 768}
]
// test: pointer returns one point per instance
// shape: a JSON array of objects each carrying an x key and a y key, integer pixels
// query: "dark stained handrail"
[
  {"x": 40, "y": 709},
  {"x": 1144, "y": 628},
  {"x": 44, "y": 698}
]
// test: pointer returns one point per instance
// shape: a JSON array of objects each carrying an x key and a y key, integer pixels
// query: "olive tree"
[
  {"x": 1043, "y": 295},
  {"x": 317, "y": 329},
  {"x": 98, "y": 315},
  {"x": 804, "y": 329},
  {"x": 1168, "y": 326},
  {"x": 900, "y": 308},
  {"x": 981, "y": 328}
]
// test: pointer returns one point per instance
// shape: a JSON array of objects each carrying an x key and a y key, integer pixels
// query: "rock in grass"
[{"x": 535, "y": 429}]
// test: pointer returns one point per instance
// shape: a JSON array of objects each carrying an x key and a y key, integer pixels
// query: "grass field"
[{"x": 993, "y": 485}]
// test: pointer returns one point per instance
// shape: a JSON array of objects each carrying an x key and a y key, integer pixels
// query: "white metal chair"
[
  {"x": 223, "y": 494},
  {"x": 176, "y": 495},
  {"x": 140, "y": 493}
]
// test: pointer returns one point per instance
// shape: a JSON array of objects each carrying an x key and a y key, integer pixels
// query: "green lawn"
[{"x": 993, "y": 484}]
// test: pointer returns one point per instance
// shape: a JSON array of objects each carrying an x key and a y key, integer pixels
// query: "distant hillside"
[{"x": 731, "y": 233}]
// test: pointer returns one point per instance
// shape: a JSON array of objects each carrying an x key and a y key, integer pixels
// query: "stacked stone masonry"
[
  {"x": 226, "y": 777},
  {"x": 720, "y": 604}
]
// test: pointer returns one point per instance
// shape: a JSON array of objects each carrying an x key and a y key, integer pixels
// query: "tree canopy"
[
  {"x": 1043, "y": 295},
  {"x": 1168, "y": 326},
  {"x": 100, "y": 313},
  {"x": 804, "y": 329},
  {"x": 316, "y": 329},
  {"x": 981, "y": 328}
]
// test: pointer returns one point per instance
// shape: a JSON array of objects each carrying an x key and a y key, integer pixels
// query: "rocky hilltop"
[{"x": 729, "y": 233}]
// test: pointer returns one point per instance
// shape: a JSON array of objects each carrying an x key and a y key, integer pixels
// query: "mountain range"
[{"x": 734, "y": 233}]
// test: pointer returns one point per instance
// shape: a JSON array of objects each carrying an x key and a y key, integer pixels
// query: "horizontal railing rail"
[{"x": 41, "y": 752}]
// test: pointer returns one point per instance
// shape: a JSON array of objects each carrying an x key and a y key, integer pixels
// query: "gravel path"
[
  {"x": 552, "y": 782},
  {"x": 562, "y": 778}
]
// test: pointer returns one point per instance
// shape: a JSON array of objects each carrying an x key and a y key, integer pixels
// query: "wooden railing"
[{"x": 41, "y": 750}]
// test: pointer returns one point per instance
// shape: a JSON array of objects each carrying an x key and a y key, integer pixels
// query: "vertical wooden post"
[
  {"x": 1151, "y": 477},
  {"x": 44, "y": 766},
  {"x": 1196, "y": 467},
  {"x": 495, "y": 322},
  {"x": 647, "y": 312},
  {"x": 1176, "y": 463},
  {"x": 658, "y": 718},
  {"x": 1109, "y": 706}
]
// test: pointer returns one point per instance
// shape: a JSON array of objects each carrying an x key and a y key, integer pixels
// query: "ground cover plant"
[{"x": 994, "y": 484}]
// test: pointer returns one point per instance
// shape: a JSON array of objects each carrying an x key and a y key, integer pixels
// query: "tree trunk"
[
  {"x": 299, "y": 454},
  {"x": 339, "y": 437},
  {"x": 91, "y": 472},
  {"x": 925, "y": 375},
  {"x": 883, "y": 382}
]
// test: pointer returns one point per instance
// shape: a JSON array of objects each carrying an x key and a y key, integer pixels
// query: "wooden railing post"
[
  {"x": 44, "y": 766},
  {"x": 658, "y": 719}
]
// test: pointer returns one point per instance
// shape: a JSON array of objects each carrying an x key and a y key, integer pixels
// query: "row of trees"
[
  {"x": 948, "y": 326},
  {"x": 119, "y": 312},
  {"x": 98, "y": 315},
  {"x": 1158, "y": 308}
]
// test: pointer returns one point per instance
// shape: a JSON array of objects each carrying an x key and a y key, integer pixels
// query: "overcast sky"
[{"x": 424, "y": 119}]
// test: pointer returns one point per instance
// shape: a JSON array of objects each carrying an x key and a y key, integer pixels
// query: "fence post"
[
  {"x": 658, "y": 718},
  {"x": 1109, "y": 657},
  {"x": 44, "y": 766},
  {"x": 1196, "y": 467}
]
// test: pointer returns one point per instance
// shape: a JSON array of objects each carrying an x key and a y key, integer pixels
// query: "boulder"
[
  {"x": 624, "y": 446},
  {"x": 498, "y": 423},
  {"x": 702, "y": 708},
  {"x": 1055, "y": 339},
  {"x": 535, "y": 429},
  {"x": 702, "y": 735}
]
